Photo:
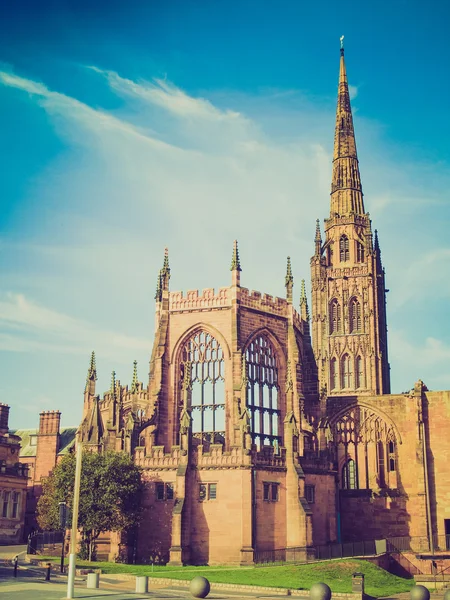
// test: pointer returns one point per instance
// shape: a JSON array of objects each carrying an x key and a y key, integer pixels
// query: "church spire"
[{"x": 346, "y": 190}]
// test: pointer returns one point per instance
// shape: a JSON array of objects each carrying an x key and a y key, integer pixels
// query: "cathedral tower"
[{"x": 348, "y": 288}]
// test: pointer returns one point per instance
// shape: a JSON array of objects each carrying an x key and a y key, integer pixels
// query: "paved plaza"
[{"x": 30, "y": 584}]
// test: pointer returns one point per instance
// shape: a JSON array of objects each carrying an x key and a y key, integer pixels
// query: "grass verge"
[{"x": 337, "y": 574}]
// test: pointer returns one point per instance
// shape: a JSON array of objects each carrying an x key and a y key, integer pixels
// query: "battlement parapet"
[
  {"x": 217, "y": 458},
  {"x": 266, "y": 457},
  {"x": 263, "y": 302},
  {"x": 157, "y": 458},
  {"x": 195, "y": 301}
]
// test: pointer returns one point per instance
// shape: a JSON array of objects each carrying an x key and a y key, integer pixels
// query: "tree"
[{"x": 110, "y": 495}]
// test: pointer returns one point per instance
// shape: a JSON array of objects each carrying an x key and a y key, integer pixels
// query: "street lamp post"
[
  {"x": 62, "y": 526},
  {"x": 73, "y": 536}
]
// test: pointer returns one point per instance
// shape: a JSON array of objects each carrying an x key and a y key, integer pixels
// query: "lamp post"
[
  {"x": 73, "y": 537},
  {"x": 62, "y": 526}
]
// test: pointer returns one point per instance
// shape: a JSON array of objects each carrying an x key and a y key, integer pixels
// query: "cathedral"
[{"x": 265, "y": 427}]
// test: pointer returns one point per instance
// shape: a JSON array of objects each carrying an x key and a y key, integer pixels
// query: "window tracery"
[
  {"x": 262, "y": 392},
  {"x": 346, "y": 372},
  {"x": 207, "y": 393},
  {"x": 359, "y": 252},
  {"x": 355, "y": 315},
  {"x": 333, "y": 374},
  {"x": 359, "y": 373},
  {"x": 335, "y": 316},
  {"x": 344, "y": 249},
  {"x": 364, "y": 437}
]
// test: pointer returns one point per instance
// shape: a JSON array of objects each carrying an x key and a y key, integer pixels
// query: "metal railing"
[{"x": 45, "y": 542}]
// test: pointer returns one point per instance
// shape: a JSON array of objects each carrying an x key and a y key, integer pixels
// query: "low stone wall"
[{"x": 237, "y": 587}]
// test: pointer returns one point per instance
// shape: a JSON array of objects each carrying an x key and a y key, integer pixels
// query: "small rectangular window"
[
  {"x": 15, "y": 506},
  {"x": 274, "y": 492},
  {"x": 164, "y": 491},
  {"x": 169, "y": 491},
  {"x": 310, "y": 493},
  {"x": 5, "y": 504},
  {"x": 212, "y": 491},
  {"x": 207, "y": 491},
  {"x": 202, "y": 492},
  {"x": 160, "y": 491},
  {"x": 33, "y": 440},
  {"x": 270, "y": 492}
]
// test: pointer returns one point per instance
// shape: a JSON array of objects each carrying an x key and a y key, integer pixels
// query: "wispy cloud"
[
  {"x": 168, "y": 168},
  {"x": 28, "y": 327}
]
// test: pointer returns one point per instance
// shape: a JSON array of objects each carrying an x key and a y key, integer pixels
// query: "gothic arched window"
[
  {"x": 344, "y": 251},
  {"x": 207, "y": 396},
  {"x": 359, "y": 373},
  {"x": 349, "y": 475},
  {"x": 333, "y": 374},
  {"x": 359, "y": 252},
  {"x": 262, "y": 392},
  {"x": 355, "y": 315},
  {"x": 346, "y": 371},
  {"x": 335, "y": 316}
]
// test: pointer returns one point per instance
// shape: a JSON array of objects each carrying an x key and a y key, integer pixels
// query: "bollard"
[
  {"x": 92, "y": 580},
  {"x": 320, "y": 591},
  {"x": 199, "y": 587},
  {"x": 419, "y": 592},
  {"x": 47, "y": 575},
  {"x": 141, "y": 584},
  {"x": 15, "y": 564}
]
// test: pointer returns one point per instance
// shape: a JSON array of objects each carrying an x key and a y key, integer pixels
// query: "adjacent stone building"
[
  {"x": 41, "y": 449},
  {"x": 265, "y": 427},
  {"x": 13, "y": 483}
]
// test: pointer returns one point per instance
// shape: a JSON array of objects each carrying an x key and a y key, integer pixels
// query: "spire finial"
[
  {"x": 318, "y": 239},
  {"x": 91, "y": 377},
  {"x": 164, "y": 276},
  {"x": 92, "y": 371},
  {"x": 304, "y": 310},
  {"x": 376, "y": 242},
  {"x": 341, "y": 39},
  {"x": 113, "y": 384},
  {"x": 289, "y": 280},
  {"x": 134, "y": 382},
  {"x": 166, "y": 267},
  {"x": 158, "y": 294},
  {"x": 235, "y": 262}
]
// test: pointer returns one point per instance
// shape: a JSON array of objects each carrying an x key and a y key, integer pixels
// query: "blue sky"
[{"x": 128, "y": 127}]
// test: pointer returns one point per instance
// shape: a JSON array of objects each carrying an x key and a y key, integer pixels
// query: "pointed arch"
[
  {"x": 334, "y": 379},
  {"x": 344, "y": 248},
  {"x": 348, "y": 475},
  {"x": 203, "y": 355},
  {"x": 360, "y": 375},
  {"x": 191, "y": 331},
  {"x": 359, "y": 252},
  {"x": 262, "y": 393},
  {"x": 354, "y": 315},
  {"x": 335, "y": 315},
  {"x": 346, "y": 372}
]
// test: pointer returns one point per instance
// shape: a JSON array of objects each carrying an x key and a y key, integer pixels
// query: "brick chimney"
[
  {"x": 4, "y": 417},
  {"x": 47, "y": 443}
]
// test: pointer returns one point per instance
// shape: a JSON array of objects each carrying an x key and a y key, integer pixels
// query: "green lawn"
[{"x": 337, "y": 574}]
